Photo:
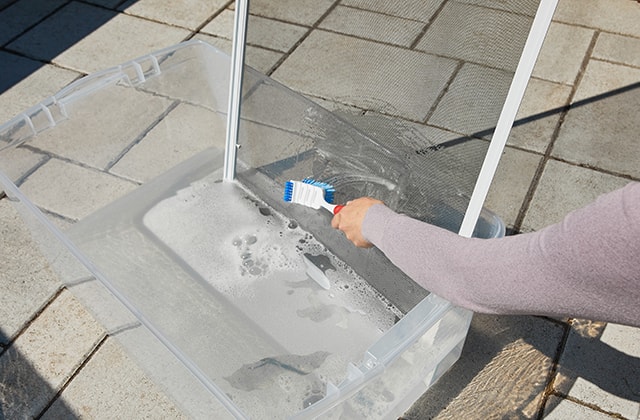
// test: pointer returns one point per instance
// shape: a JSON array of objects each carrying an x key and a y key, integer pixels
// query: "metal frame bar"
[{"x": 235, "y": 88}]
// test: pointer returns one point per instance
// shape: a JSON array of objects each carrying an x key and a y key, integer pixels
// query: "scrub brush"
[{"x": 311, "y": 193}]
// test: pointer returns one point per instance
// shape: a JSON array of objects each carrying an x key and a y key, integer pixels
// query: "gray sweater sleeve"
[{"x": 586, "y": 266}]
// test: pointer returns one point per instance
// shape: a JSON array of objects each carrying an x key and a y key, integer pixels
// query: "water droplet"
[
  {"x": 236, "y": 241},
  {"x": 250, "y": 239},
  {"x": 245, "y": 255},
  {"x": 264, "y": 211},
  {"x": 293, "y": 224},
  {"x": 255, "y": 270}
]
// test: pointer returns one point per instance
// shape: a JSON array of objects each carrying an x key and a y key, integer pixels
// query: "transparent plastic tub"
[{"x": 210, "y": 284}]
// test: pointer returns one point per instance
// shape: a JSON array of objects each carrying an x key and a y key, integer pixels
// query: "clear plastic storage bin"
[{"x": 215, "y": 287}]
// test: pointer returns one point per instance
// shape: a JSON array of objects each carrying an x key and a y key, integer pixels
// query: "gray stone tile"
[
  {"x": 618, "y": 49},
  {"x": 477, "y": 34},
  {"x": 111, "y": 385},
  {"x": 255, "y": 57},
  {"x": 374, "y": 26},
  {"x": 26, "y": 281},
  {"x": 564, "y": 188},
  {"x": 561, "y": 409},
  {"x": 526, "y": 7},
  {"x": 73, "y": 191},
  {"x": 88, "y": 38},
  {"x": 17, "y": 162},
  {"x": 26, "y": 82},
  {"x": 184, "y": 132},
  {"x": 101, "y": 125},
  {"x": 377, "y": 77},
  {"x": 601, "y": 367},
  {"x": 502, "y": 372},
  {"x": 473, "y": 101},
  {"x": 602, "y": 132},
  {"x": 187, "y": 14},
  {"x": 303, "y": 12},
  {"x": 511, "y": 183},
  {"x": 45, "y": 356},
  {"x": 105, "y": 3},
  {"x": 618, "y": 16},
  {"x": 268, "y": 33},
  {"x": 562, "y": 53},
  {"x": 222, "y": 25},
  {"x": 418, "y": 10},
  {"x": 23, "y": 14},
  {"x": 533, "y": 130}
]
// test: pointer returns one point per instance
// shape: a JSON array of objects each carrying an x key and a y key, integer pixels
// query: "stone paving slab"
[
  {"x": 21, "y": 16},
  {"x": 73, "y": 191},
  {"x": 187, "y": 14},
  {"x": 618, "y": 49},
  {"x": 617, "y": 16},
  {"x": 539, "y": 115},
  {"x": 562, "y": 409},
  {"x": 511, "y": 183},
  {"x": 26, "y": 280},
  {"x": 486, "y": 36},
  {"x": 562, "y": 63},
  {"x": 603, "y": 131},
  {"x": 366, "y": 24},
  {"x": 41, "y": 359},
  {"x": 410, "y": 96},
  {"x": 111, "y": 385},
  {"x": 502, "y": 372},
  {"x": 563, "y": 188},
  {"x": 102, "y": 39},
  {"x": 412, "y": 9},
  {"x": 101, "y": 128},
  {"x": 26, "y": 82},
  {"x": 600, "y": 366},
  {"x": 257, "y": 58}
]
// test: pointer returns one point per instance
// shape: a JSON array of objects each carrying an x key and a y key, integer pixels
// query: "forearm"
[{"x": 587, "y": 266}]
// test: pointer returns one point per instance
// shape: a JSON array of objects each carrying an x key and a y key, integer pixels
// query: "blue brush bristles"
[
  {"x": 328, "y": 188},
  {"x": 329, "y": 191},
  {"x": 288, "y": 191}
]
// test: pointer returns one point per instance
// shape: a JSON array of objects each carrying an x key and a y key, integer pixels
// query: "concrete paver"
[
  {"x": 502, "y": 373},
  {"x": 368, "y": 25},
  {"x": 507, "y": 193},
  {"x": 577, "y": 187},
  {"x": 562, "y": 62},
  {"x": 103, "y": 118},
  {"x": 539, "y": 115},
  {"x": 618, "y": 49},
  {"x": 26, "y": 279},
  {"x": 561, "y": 409},
  {"x": 111, "y": 385},
  {"x": 96, "y": 41},
  {"x": 410, "y": 96},
  {"x": 41, "y": 360},
  {"x": 617, "y": 16},
  {"x": 188, "y": 14},
  {"x": 22, "y": 15},
  {"x": 602, "y": 368},
  {"x": 73, "y": 191},
  {"x": 26, "y": 82}
]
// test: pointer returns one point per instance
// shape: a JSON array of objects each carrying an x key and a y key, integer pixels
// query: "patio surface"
[{"x": 56, "y": 361}]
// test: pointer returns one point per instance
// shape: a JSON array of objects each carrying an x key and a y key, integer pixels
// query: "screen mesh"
[{"x": 415, "y": 89}]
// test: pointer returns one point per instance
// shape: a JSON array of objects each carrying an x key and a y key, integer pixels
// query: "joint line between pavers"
[
  {"x": 73, "y": 375},
  {"x": 517, "y": 226},
  {"x": 30, "y": 321}
]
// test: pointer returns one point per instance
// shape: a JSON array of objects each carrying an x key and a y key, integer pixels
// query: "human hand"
[{"x": 350, "y": 218}]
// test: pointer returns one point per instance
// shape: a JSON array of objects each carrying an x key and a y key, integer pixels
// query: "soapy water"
[{"x": 255, "y": 257}]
